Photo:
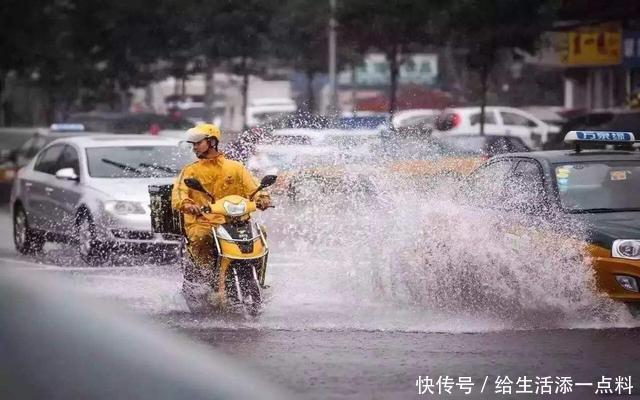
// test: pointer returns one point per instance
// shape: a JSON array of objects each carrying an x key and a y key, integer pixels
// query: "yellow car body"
[
  {"x": 598, "y": 191},
  {"x": 607, "y": 267},
  {"x": 342, "y": 178}
]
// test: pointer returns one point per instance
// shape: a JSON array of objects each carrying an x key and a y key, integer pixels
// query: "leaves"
[{"x": 94, "y": 48}]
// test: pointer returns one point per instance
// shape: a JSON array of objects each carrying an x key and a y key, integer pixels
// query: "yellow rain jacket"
[{"x": 220, "y": 177}]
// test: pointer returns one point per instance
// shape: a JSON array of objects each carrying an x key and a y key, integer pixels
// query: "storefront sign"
[{"x": 596, "y": 45}]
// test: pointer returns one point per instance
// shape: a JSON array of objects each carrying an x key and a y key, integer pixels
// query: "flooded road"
[{"x": 336, "y": 327}]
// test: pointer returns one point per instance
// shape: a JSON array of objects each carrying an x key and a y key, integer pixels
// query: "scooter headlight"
[
  {"x": 235, "y": 210},
  {"x": 626, "y": 248},
  {"x": 222, "y": 233}
]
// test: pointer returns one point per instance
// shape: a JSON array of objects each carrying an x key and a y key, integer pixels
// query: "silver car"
[{"x": 93, "y": 191}]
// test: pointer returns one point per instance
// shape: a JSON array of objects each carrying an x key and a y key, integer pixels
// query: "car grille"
[{"x": 134, "y": 235}]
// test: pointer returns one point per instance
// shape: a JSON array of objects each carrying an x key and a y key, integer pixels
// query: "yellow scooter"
[{"x": 242, "y": 250}]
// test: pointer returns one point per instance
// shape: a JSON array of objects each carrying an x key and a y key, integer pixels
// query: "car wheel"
[
  {"x": 89, "y": 249},
  {"x": 26, "y": 240}
]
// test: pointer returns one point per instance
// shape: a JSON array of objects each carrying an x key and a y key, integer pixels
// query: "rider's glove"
[{"x": 263, "y": 202}]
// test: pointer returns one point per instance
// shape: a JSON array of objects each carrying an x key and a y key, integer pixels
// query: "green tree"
[
  {"x": 120, "y": 41},
  {"x": 243, "y": 37},
  {"x": 299, "y": 32},
  {"x": 34, "y": 39},
  {"x": 392, "y": 27},
  {"x": 197, "y": 43},
  {"x": 485, "y": 29}
]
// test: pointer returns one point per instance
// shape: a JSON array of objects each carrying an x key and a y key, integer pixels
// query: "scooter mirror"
[
  {"x": 268, "y": 180},
  {"x": 194, "y": 184}
]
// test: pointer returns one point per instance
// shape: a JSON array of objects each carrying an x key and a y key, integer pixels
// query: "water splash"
[{"x": 431, "y": 258}]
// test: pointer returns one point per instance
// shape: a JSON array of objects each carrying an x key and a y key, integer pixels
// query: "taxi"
[
  {"x": 399, "y": 163},
  {"x": 599, "y": 187}
]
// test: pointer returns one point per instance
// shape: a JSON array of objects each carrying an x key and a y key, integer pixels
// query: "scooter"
[{"x": 242, "y": 251}]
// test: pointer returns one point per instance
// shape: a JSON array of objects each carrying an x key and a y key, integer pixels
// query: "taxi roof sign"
[
  {"x": 599, "y": 136},
  {"x": 602, "y": 137},
  {"x": 67, "y": 127}
]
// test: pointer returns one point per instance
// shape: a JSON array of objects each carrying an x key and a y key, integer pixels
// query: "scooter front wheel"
[{"x": 248, "y": 290}]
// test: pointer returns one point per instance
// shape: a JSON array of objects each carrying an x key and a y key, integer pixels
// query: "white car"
[
  {"x": 507, "y": 121},
  {"x": 293, "y": 136},
  {"x": 262, "y": 111},
  {"x": 272, "y": 159},
  {"x": 345, "y": 138},
  {"x": 418, "y": 116},
  {"x": 93, "y": 191}
]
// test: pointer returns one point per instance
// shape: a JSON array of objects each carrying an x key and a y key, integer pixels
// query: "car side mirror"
[{"x": 67, "y": 174}]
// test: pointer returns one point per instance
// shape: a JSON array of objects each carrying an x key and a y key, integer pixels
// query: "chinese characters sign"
[
  {"x": 536, "y": 385},
  {"x": 596, "y": 45}
]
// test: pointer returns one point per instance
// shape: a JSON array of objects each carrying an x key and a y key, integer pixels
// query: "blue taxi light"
[
  {"x": 599, "y": 136},
  {"x": 67, "y": 128}
]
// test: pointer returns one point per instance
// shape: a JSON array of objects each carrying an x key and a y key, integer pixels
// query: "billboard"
[
  {"x": 595, "y": 45},
  {"x": 420, "y": 69}
]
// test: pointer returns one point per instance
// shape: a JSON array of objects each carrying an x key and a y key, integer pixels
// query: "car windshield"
[
  {"x": 599, "y": 186},
  {"x": 288, "y": 139},
  {"x": 484, "y": 145},
  {"x": 347, "y": 141},
  {"x": 328, "y": 159},
  {"x": 137, "y": 161},
  {"x": 288, "y": 161},
  {"x": 394, "y": 150},
  {"x": 466, "y": 144}
]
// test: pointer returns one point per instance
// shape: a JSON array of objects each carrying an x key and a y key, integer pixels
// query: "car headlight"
[
  {"x": 235, "y": 210},
  {"x": 222, "y": 233},
  {"x": 626, "y": 248},
  {"x": 123, "y": 207}
]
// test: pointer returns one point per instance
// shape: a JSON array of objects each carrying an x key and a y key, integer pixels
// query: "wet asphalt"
[{"x": 338, "y": 361}]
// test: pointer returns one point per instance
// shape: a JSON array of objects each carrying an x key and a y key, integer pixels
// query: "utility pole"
[{"x": 333, "y": 95}]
